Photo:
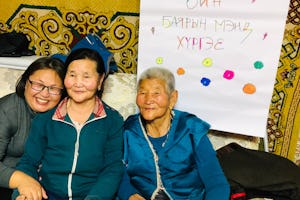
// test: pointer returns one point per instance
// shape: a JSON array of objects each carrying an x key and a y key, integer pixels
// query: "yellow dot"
[
  {"x": 207, "y": 62},
  {"x": 159, "y": 60}
]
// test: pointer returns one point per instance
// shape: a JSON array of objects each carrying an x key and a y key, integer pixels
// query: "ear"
[
  {"x": 173, "y": 99},
  {"x": 101, "y": 78}
]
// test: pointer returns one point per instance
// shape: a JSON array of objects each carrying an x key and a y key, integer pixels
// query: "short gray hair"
[{"x": 159, "y": 73}]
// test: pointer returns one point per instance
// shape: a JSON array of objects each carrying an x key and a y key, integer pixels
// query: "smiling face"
[
  {"x": 153, "y": 100},
  {"x": 82, "y": 80},
  {"x": 42, "y": 101}
]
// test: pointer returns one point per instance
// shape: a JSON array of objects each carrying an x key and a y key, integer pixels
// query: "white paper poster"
[{"x": 224, "y": 55}]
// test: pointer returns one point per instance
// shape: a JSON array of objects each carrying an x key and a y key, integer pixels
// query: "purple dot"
[{"x": 205, "y": 81}]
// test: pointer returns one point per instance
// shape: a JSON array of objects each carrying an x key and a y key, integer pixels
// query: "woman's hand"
[
  {"x": 21, "y": 197},
  {"x": 27, "y": 186},
  {"x": 136, "y": 197}
]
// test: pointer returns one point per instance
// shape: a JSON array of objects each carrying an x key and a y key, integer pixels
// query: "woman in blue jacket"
[
  {"x": 167, "y": 152},
  {"x": 75, "y": 150}
]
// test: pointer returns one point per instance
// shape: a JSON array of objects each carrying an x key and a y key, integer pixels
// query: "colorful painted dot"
[
  {"x": 207, "y": 62},
  {"x": 258, "y": 65},
  {"x": 159, "y": 60},
  {"x": 205, "y": 81},
  {"x": 180, "y": 71},
  {"x": 249, "y": 88},
  {"x": 228, "y": 74}
]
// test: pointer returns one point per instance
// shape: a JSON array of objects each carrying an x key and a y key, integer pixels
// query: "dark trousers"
[
  {"x": 5, "y": 193},
  {"x": 52, "y": 196}
]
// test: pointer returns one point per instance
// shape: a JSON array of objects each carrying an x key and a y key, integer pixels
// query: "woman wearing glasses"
[
  {"x": 39, "y": 89},
  {"x": 75, "y": 150}
]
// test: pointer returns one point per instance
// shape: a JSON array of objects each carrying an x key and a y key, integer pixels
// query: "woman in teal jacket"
[
  {"x": 75, "y": 150},
  {"x": 167, "y": 153}
]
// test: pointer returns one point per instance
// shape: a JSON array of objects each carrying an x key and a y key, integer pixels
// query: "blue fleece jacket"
[{"x": 186, "y": 167}]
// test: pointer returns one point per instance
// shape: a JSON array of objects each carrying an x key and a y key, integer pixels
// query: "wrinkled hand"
[
  {"x": 28, "y": 187},
  {"x": 136, "y": 197},
  {"x": 21, "y": 197},
  {"x": 32, "y": 190}
]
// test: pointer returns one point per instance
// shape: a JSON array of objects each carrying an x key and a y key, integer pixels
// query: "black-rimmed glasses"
[{"x": 40, "y": 87}]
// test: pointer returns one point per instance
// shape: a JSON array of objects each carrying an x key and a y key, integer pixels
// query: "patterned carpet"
[
  {"x": 284, "y": 115},
  {"x": 54, "y": 27}
]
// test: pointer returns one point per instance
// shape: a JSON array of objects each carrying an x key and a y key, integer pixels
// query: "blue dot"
[{"x": 205, "y": 81}]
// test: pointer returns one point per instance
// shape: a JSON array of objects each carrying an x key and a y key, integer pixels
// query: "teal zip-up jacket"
[
  {"x": 75, "y": 163},
  {"x": 186, "y": 168}
]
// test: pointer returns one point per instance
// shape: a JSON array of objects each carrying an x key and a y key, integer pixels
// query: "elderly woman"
[{"x": 167, "y": 153}]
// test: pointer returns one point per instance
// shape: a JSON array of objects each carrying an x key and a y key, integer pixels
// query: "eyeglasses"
[{"x": 40, "y": 87}]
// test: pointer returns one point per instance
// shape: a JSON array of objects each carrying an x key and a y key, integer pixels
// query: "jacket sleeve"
[
  {"x": 5, "y": 137},
  {"x": 109, "y": 178},
  {"x": 34, "y": 149},
  {"x": 15, "y": 121},
  {"x": 214, "y": 180},
  {"x": 126, "y": 189}
]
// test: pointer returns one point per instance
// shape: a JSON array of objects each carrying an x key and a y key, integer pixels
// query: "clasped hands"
[{"x": 28, "y": 187}]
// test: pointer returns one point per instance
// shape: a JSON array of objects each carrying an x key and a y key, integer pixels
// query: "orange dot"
[
  {"x": 180, "y": 71},
  {"x": 249, "y": 88}
]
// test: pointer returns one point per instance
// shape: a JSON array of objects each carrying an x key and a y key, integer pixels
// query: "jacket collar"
[
  {"x": 177, "y": 130},
  {"x": 61, "y": 110}
]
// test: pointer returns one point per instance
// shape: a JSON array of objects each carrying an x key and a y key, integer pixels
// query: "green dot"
[{"x": 258, "y": 65}]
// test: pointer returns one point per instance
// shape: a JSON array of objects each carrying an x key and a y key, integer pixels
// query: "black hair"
[
  {"x": 86, "y": 53},
  {"x": 39, "y": 64}
]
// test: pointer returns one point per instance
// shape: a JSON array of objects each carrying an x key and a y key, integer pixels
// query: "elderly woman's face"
[
  {"x": 153, "y": 100},
  {"x": 82, "y": 80}
]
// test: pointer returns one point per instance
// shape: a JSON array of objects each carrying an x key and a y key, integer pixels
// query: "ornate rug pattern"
[
  {"x": 284, "y": 114},
  {"x": 54, "y": 27}
]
